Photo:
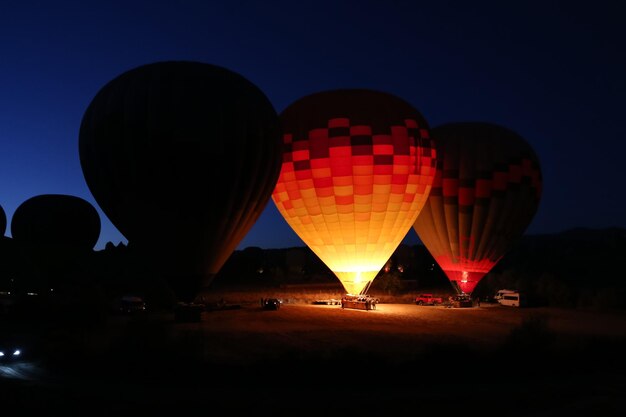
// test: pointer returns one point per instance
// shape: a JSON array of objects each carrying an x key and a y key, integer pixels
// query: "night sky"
[{"x": 551, "y": 71}]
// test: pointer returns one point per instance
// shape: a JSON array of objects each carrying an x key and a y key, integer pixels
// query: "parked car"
[
  {"x": 427, "y": 299},
  {"x": 10, "y": 352},
  {"x": 129, "y": 304},
  {"x": 14, "y": 348},
  {"x": 270, "y": 303}
]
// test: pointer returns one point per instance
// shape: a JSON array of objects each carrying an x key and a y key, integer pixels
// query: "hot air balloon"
[
  {"x": 486, "y": 192},
  {"x": 3, "y": 221},
  {"x": 6, "y": 254},
  {"x": 56, "y": 220},
  {"x": 54, "y": 235},
  {"x": 357, "y": 168},
  {"x": 182, "y": 157}
]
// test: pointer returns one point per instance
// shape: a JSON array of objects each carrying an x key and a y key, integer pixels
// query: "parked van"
[
  {"x": 512, "y": 299},
  {"x": 500, "y": 294}
]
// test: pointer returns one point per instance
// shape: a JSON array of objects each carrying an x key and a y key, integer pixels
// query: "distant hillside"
[
  {"x": 587, "y": 257},
  {"x": 573, "y": 268},
  {"x": 578, "y": 267}
]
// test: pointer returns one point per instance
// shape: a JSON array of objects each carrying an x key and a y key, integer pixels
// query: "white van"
[
  {"x": 500, "y": 294},
  {"x": 512, "y": 299}
]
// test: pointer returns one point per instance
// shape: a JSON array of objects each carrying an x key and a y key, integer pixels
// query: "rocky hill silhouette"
[{"x": 578, "y": 268}]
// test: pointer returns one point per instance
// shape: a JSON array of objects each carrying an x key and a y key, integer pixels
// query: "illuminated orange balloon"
[
  {"x": 357, "y": 168},
  {"x": 486, "y": 192}
]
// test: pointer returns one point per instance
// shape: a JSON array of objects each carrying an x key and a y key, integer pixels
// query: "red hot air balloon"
[
  {"x": 182, "y": 157},
  {"x": 486, "y": 192},
  {"x": 356, "y": 171}
]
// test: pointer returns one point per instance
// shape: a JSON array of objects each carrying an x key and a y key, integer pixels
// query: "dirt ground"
[
  {"x": 396, "y": 332},
  {"x": 304, "y": 358}
]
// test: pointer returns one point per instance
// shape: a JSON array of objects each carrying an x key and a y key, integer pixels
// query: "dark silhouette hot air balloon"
[
  {"x": 357, "y": 168},
  {"x": 53, "y": 236},
  {"x": 3, "y": 221},
  {"x": 486, "y": 192},
  {"x": 56, "y": 220},
  {"x": 182, "y": 157},
  {"x": 6, "y": 253}
]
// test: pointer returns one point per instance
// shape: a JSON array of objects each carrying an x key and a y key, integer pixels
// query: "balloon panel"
[
  {"x": 357, "y": 168},
  {"x": 485, "y": 193}
]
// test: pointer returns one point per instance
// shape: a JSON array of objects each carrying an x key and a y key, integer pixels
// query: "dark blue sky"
[{"x": 554, "y": 72}]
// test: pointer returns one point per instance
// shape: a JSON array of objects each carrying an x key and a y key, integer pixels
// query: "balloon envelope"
[
  {"x": 357, "y": 168},
  {"x": 486, "y": 192},
  {"x": 3, "y": 221},
  {"x": 182, "y": 157},
  {"x": 56, "y": 220}
]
